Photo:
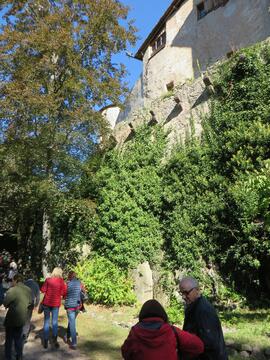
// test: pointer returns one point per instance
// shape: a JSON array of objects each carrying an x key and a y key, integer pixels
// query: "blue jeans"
[
  {"x": 14, "y": 334},
  {"x": 48, "y": 310},
  {"x": 71, "y": 329}
]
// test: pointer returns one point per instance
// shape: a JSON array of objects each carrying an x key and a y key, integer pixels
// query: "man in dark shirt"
[{"x": 201, "y": 319}]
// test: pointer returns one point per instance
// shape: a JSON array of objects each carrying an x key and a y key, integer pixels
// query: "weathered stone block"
[
  {"x": 143, "y": 281},
  {"x": 230, "y": 343},
  {"x": 246, "y": 347},
  {"x": 244, "y": 354}
]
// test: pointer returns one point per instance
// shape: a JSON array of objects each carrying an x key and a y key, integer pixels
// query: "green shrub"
[
  {"x": 105, "y": 283},
  {"x": 175, "y": 312}
]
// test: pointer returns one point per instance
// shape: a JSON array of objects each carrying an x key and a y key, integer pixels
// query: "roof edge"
[{"x": 175, "y": 5}]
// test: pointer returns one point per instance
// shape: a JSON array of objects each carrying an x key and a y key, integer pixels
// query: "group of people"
[
  {"x": 23, "y": 296},
  {"x": 153, "y": 338},
  {"x": 8, "y": 268}
]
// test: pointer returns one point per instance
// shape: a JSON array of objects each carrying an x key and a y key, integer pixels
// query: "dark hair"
[
  {"x": 72, "y": 275},
  {"x": 152, "y": 308},
  {"x": 18, "y": 278}
]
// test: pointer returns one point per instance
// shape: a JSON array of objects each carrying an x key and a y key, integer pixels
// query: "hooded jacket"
[{"x": 154, "y": 339}]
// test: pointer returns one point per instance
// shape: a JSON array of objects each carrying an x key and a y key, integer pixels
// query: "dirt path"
[{"x": 33, "y": 349}]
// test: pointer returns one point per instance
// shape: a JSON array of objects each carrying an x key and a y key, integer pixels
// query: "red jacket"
[
  {"x": 153, "y": 339},
  {"x": 54, "y": 288}
]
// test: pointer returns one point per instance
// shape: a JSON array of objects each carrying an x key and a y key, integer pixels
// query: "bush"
[
  {"x": 175, "y": 312},
  {"x": 105, "y": 283}
]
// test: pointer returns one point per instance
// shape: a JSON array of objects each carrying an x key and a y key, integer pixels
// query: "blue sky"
[{"x": 146, "y": 14}]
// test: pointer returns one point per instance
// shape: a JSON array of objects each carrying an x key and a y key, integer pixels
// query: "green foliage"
[
  {"x": 190, "y": 212},
  {"x": 56, "y": 71},
  {"x": 222, "y": 198},
  {"x": 206, "y": 210},
  {"x": 237, "y": 142},
  {"x": 129, "y": 201},
  {"x": 175, "y": 311},
  {"x": 105, "y": 283}
]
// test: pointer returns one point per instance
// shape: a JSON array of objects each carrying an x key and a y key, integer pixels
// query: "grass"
[
  {"x": 101, "y": 336},
  {"x": 250, "y": 327},
  {"x": 103, "y": 330}
]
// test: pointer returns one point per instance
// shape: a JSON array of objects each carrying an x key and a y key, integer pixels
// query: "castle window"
[
  {"x": 170, "y": 86},
  {"x": 201, "y": 11},
  {"x": 158, "y": 43},
  {"x": 206, "y": 6}
]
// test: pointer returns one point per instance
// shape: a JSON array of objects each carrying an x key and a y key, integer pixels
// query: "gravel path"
[{"x": 33, "y": 349}]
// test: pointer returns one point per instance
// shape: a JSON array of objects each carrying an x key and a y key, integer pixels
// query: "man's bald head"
[{"x": 189, "y": 288}]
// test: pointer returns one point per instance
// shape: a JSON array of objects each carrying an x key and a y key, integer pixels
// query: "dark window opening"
[
  {"x": 158, "y": 43},
  {"x": 170, "y": 86},
  {"x": 206, "y": 6},
  {"x": 201, "y": 11}
]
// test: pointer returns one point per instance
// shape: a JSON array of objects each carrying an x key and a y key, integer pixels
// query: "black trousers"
[{"x": 14, "y": 334}]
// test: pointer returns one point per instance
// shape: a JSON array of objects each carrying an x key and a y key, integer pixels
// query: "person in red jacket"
[
  {"x": 153, "y": 338},
  {"x": 54, "y": 289}
]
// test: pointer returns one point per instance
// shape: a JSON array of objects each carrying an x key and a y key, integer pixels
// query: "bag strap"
[{"x": 177, "y": 341}]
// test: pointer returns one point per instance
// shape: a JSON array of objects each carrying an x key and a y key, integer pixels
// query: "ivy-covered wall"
[{"x": 206, "y": 210}]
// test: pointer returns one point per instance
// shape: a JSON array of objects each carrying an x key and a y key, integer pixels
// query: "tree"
[{"x": 56, "y": 70}]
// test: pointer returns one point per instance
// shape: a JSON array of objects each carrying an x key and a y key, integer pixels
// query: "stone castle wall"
[
  {"x": 179, "y": 112},
  {"x": 193, "y": 45}
]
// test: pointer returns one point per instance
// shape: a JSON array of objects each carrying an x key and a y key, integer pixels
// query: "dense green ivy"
[
  {"x": 206, "y": 210},
  {"x": 238, "y": 144},
  {"x": 217, "y": 200},
  {"x": 130, "y": 201}
]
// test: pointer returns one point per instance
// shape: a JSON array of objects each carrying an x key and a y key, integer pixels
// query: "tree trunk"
[{"x": 46, "y": 237}]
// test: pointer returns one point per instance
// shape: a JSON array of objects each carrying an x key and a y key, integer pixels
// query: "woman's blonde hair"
[{"x": 57, "y": 272}]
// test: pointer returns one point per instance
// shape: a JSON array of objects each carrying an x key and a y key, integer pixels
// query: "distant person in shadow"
[
  {"x": 153, "y": 338},
  {"x": 18, "y": 299},
  {"x": 54, "y": 289}
]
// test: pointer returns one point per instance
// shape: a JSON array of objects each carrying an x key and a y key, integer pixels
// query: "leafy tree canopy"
[{"x": 56, "y": 71}]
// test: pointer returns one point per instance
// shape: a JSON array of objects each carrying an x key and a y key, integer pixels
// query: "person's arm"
[
  {"x": 64, "y": 290},
  {"x": 126, "y": 348},
  {"x": 8, "y": 298},
  {"x": 209, "y": 329},
  {"x": 37, "y": 295},
  {"x": 44, "y": 287},
  {"x": 190, "y": 344}
]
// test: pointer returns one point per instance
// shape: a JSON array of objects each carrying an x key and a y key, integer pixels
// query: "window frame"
[
  {"x": 159, "y": 43},
  {"x": 208, "y": 6},
  {"x": 201, "y": 13}
]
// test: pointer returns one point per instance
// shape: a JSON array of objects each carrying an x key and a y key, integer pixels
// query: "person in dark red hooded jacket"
[{"x": 153, "y": 338}]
